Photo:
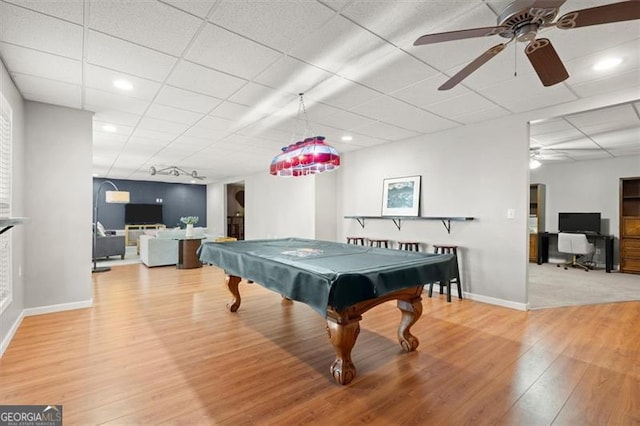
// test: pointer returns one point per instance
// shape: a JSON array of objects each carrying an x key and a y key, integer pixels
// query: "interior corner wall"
[
  {"x": 476, "y": 170},
  {"x": 277, "y": 207},
  {"x": 216, "y": 210},
  {"x": 58, "y": 146},
  {"x": 12, "y": 313},
  {"x": 586, "y": 186},
  {"x": 325, "y": 207}
]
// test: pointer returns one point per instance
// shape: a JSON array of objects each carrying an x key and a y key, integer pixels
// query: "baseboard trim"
[
  {"x": 12, "y": 331},
  {"x": 40, "y": 310},
  {"x": 498, "y": 302}
]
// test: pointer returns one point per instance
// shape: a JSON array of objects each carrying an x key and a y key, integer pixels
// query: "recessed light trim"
[
  {"x": 109, "y": 128},
  {"x": 123, "y": 84},
  {"x": 607, "y": 64},
  {"x": 347, "y": 138}
]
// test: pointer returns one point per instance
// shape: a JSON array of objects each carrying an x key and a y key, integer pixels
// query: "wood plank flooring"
[{"x": 159, "y": 347}]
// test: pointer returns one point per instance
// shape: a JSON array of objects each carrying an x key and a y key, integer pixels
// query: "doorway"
[{"x": 235, "y": 209}]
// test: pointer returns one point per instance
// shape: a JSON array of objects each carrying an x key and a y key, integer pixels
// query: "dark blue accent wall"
[{"x": 178, "y": 200}]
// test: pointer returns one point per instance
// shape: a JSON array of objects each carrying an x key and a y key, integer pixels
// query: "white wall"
[
  {"x": 277, "y": 207},
  {"x": 325, "y": 210},
  {"x": 586, "y": 186},
  {"x": 10, "y": 318},
  {"x": 477, "y": 171},
  {"x": 216, "y": 210},
  {"x": 58, "y": 149}
]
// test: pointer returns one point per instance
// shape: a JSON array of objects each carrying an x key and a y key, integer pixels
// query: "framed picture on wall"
[{"x": 401, "y": 196}]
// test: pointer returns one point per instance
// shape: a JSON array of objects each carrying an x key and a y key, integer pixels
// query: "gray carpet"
[{"x": 550, "y": 286}]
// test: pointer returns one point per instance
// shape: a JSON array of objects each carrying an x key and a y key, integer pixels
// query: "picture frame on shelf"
[{"x": 401, "y": 196}]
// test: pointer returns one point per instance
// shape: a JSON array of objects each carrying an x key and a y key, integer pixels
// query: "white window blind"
[{"x": 6, "y": 281}]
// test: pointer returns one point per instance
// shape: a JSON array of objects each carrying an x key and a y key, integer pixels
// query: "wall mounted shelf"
[
  {"x": 7, "y": 223},
  {"x": 397, "y": 220}
]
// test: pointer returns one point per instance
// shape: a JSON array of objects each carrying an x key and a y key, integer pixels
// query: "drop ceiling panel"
[
  {"x": 171, "y": 114},
  {"x": 162, "y": 126},
  {"x": 550, "y": 126},
  {"x": 342, "y": 93},
  {"x": 158, "y": 137},
  {"x": 581, "y": 69},
  {"x": 261, "y": 97},
  {"x": 197, "y": 78},
  {"x": 112, "y": 101},
  {"x": 385, "y": 131},
  {"x": 403, "y": 22},
  {"x": 48, "y": 91},
  {"x": 113, "y": 117},
  {"x": 196, "y": 7},
  {"x": 341, "y": 120},
  {"x": 232, "y": 111},
  {"x": 151, "y": 24},
  {"x": 291, "y": 75},
  {"x": 619, "y": 138},
  {"x": 392, "y": 72},
  {"x": 28, "y": 61},
  {"x": 463, "y": 105},
  {"x": 30, "y": 29},
  {"x": 481, "y": 115},
  {"x": 216, "y": 123},
  {"x": 187, "y": 100},
  {"x": 117, "y": 54},
  {"x": 242, "y": 57},
  {"x": 100, "y": 126},
  {"x": 628, "y": 82},
  {"x": 106, "y": 141},
  {"x": 339, "y": 42},
  {"x": 551, "y": 138},
  {"x": 103, "y": 79},
  {"x": 426, "y": 93},
  {"x": 280, "y": 25},
  {"x": 69, "y": 10}
]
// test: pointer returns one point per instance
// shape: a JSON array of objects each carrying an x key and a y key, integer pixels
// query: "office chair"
[{"x": 578, "y": 246}]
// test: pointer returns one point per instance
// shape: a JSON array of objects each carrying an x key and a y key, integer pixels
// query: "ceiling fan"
[
  {"x": 174, "y": 171},
  {"x": 521, "y": 20}
]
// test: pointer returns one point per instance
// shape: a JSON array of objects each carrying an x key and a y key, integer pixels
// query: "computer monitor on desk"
[{"x": 583, "y": 223}]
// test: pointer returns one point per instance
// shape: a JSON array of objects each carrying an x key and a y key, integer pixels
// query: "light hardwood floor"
[{"x": 159, "y": 347}]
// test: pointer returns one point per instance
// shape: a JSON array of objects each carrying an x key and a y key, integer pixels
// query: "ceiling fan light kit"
[
  {"x": 175, "y": 171},
  {"x": 521, "y": 20}
]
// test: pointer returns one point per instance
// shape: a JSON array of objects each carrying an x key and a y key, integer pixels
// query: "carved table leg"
[
  {"x": 343, "y": 336},
  {"x": 411, "y": 312},
  {"x": 232, "y": 284}
]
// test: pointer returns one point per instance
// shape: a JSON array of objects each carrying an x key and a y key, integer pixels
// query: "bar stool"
[
  {"x": 355, "y": 240},
  {"x": 377, "y": 242},
  {"x": 409, "y": 245},
  {"x": 442, "y": 249}
]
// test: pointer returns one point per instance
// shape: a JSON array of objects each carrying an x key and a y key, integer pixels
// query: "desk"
[
  {"x": 339, "y": 281},
  {"x": 543, "y": 247},
  {"x": 187, "y": 253}
]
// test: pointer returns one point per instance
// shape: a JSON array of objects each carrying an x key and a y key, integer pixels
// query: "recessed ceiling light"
[
  {"x": 95, "y": 175},
  {"x": 193, "y": 181},
  {"x": 347, "y": 138},
  {"x": 123, "y": 84},
  {"x": 607, "y": 64},
  {"x": 109, "y": 128}
]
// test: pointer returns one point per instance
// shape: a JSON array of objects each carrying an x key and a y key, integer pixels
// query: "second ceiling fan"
[{"x": 521, "y": 21}]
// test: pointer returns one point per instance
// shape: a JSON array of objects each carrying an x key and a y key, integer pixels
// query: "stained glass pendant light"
[{"x": 306, "y": 157}]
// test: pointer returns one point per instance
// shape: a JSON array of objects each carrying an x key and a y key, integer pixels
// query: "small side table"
[{"x": 187, "y": 257}]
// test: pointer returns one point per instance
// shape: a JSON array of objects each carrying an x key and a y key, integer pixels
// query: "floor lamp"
[{"x": 116, "y": 196}]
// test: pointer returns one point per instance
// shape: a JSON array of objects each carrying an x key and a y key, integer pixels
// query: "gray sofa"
[{"x": 110, "y": 245}]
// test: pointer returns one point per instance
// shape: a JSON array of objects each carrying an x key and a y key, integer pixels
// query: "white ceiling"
[{"x": 215, "y": 82}]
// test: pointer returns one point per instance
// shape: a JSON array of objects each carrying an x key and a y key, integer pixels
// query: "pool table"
[{"x": 339, "y": 281}]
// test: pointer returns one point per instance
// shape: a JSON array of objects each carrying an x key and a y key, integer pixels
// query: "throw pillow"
[{"x": 101, "y": 231}]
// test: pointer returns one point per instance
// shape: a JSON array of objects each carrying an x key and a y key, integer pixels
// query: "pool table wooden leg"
[
  {"x": 411, "y": 312},
  {"x": 232, "y": 284},
  {"x": 343, "y": 337}
]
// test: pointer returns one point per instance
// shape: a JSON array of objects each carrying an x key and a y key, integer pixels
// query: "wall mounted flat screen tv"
[
  {"x": 579, "y": 222},
  {"x": 142, "y": 214}
]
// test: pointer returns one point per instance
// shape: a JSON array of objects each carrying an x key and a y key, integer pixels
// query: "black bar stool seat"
[
  {"x": 378, "y": 242},
  {"x": 447, "y": 249},
  {"x": 409, "y": 245},
  {"x": 355, "y": 240}
]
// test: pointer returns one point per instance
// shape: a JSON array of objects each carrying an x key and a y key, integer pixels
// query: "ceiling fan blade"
[
  {"x": 474, "y": 65},
  {"x": 546, "y": 62},
  {"x": 615, "y": 12},
  {"x": 459, "y": 35}
]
